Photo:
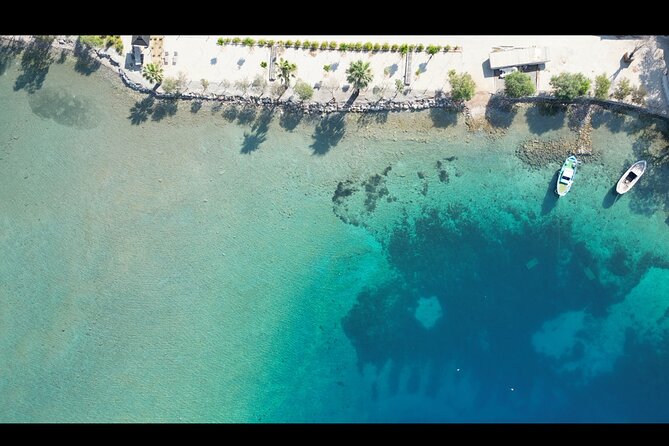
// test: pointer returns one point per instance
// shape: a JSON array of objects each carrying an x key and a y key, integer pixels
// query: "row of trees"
[
  {"x": 100, "y": 41},
  {"x": 568, "y": 86},
  {"x": 341, "y": 46},
  {"x": 358, "y": 74}
]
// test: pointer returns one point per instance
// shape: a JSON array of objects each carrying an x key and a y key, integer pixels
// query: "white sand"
[{"x": 200, "y": 57}]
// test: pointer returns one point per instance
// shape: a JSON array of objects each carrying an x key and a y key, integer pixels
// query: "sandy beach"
[{"x": 228, "y": 66}]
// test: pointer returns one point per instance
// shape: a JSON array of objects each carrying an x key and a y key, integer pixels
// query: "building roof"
[
  {"x": 519, "y": 56},
  {"x": 140, "y": 40}
]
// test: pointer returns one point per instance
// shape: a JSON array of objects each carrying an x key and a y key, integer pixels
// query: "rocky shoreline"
[{"x": 383, "y": 105}]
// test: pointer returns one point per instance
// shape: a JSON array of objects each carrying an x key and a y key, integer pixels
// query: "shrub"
[
  {"x": 518, "y": 84},
  {"x": 433, "y": 49},
  {"x": 411, "y": 47},
  {"x": 358, "y": 46},
  {"x": 568, "y": 86},
  {"x": 324, "y": 45},
  {"x": 447, "y": 48},
  {"x": 263, "y": 64},
  {"x": 623, "y": 89},
  {"x": 404, "y": 48},
  {"x": 377, "y": 47},
  {"x": 297, "y": 44},
  {"x": 248, "y": 42},
  {"x": 289, "y": 43},
  {"x": 343, "y": 46},
  {"x": 279, "y": 43},
  {"x": 262, "y": 42},
  {"x": 639, "y": 95},
  {"x": 270, "y": 42},
  {"x": 92, "y": 41},
  {"x": 227, "y": 40},
  {"x": 385, "y": 47},
  {"x": 394, "y": 47},
  {"x": 306, "y": 44},
  {"x": 419, "y": 48},
  {"x": 303, "y": 90},
  {"x": 314, "y": 45},
  {"x": 368, "y": 46},
  {"x": 236, "y": 40},
  {"x": 259, "y": 84},
  {"x": 118, "y": 46},
  {"x": 220, "y": 41},
  {"x": 463, "y": 86},
  {"x": 602, "y": 86},
  {"x": 169, "y": 85},
  {"x": 333, "y": 45}
]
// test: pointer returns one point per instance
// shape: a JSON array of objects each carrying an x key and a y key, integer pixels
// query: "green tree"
[
  {"x": 518, "y": 84},
  {"x": 259, "y": 84},
  {"x": 639, "y": 95},
  {"x": 153, "y": 73},
  {"x": 169, "y": 85},
  {"x": 303, "y": 90},
  {"x": 419, "y": 48},
  {"x": 176, "y": 85},
  {"x": 243, "y": 85},
  {"x": 463, "y": 86},
  {"x": 433, "y": 49},
  {"x": 286, "y": 71},
  {"x": 263, "y": 64},
  {"x": 404, "y": 48},
  {"x": 359, "y": 74},
  {"x": 623, "y": 89},
  {"x": 327, "y": 68},
  {"x": 602, "y": 86},
  {"x": 399, "y": 86},
  {"x": 220, "y": 41},
  {"x": 568, "y": 86},
  {"x": 92, "y": 41}
]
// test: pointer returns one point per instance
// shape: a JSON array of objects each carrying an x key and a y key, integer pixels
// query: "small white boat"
[
  {"x": 630, "y": 177},
  {"x": 566, "y": 176}
]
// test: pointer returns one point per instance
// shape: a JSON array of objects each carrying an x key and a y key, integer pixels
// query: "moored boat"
[
  {"x": 630, "y": 177},
  {"x": 566, "y": 176}
]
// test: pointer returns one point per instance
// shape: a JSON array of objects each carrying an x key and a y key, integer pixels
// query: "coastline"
[{"x": 475, "y": 108}]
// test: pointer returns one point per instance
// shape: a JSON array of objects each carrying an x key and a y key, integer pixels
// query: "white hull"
[{"x": 629, "y": 178}]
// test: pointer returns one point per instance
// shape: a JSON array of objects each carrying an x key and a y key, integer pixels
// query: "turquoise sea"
[{"x": 183, "y": 262}]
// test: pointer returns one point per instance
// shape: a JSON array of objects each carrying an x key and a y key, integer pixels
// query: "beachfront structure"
[
  {"x": 140, "y": 41},
  {"x": 517, "y": 57}
]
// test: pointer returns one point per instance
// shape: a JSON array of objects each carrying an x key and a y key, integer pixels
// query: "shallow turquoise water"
[{"x": 164, "y": 262}]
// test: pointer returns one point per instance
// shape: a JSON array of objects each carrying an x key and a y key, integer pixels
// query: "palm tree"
[
  {"x": 359, "y": 74},
  {"x": 153, "y": 73},
  {"x": 286, "y": 71}
]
